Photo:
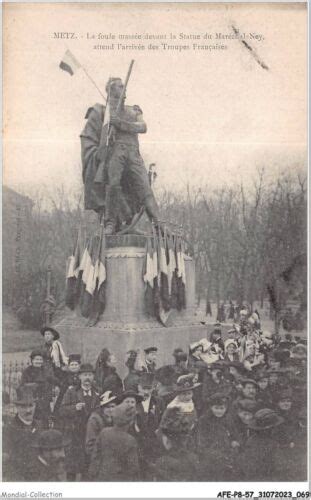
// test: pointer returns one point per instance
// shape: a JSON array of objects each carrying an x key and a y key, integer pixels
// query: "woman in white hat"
[{"x": 101, "y": 417}]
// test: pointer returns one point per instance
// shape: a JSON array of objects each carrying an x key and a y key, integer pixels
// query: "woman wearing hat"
[
  {"x": 36, "y": 373},
  {"x": 70, "y": 378},
  {"x": 214, "y": 380},
  {"x": 259, "y": 461},
  {"x": 106, "y": 376},
  {"x": 181, "y": 360},
  {"x": 242, "y": 413},
  {"x": 188, "y": 400},
  {"x": 231, "y": 350},
  {"x": 52, "y": 350},
  {"x": 252, "y": 357},
  {"x": 115, "y": 454},
  {"x": 101, "y": 417},
  {"x": 176, "y": 462},
  {"x": 214, "y": 438},
  {"x": 131, "y": 380},
  {"x": 184, "y": 397},
  {"x": 264, "y": 395},
  {"x": 216, "y": 340},
  {"x": 288, "y": 429}
]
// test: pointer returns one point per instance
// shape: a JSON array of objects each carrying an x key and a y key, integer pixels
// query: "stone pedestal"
[{"x": 124, "y": 324}]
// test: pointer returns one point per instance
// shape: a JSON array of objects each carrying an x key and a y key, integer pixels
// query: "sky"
[{"x": 213, "y": 116}]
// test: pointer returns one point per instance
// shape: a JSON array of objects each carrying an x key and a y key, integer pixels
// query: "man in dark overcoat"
[
  {"x": 18, "y": 436},
  {"x": 48, "y": 462},
  {"x": 76, "y": 408}
]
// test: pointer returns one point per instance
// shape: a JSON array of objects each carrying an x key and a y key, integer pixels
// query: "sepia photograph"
[{"x": 154, "y": 250}]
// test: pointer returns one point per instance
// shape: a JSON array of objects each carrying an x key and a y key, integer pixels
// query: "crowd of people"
[{"x": 232, "y": 407}]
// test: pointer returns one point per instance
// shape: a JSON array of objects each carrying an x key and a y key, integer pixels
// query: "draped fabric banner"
[
  {"x": 164, "y": 273},
  {"x": 86, "y": 276}
]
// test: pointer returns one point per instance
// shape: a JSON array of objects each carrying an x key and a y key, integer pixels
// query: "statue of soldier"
[{"x": 124, "y": 187}]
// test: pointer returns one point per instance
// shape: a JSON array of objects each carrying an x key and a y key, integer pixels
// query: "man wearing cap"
[
  {"x": 76, "y": 408},
  {"x": 48, "y": 463},
  {"x": 19, "y": 435},
  {"x": 100, "y": 418},
  {"x": 150, "y": 363}
]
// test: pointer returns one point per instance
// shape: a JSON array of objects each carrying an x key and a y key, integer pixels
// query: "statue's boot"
[
  {"x": 152, "y": 209},
  {"x": 125, "y": 213},
  {"x": 110, "y": 211}
]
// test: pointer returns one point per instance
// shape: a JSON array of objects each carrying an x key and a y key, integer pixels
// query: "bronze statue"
[{"x": 116, "y": 183}]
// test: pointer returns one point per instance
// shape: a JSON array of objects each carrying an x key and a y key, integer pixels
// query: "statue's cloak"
[{"x": 92, "y": 154}]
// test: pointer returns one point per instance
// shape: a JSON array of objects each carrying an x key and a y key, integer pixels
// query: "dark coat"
[
  {"x": 112, "y": 382},
  {"x": 115, "y": 456},
  {"x": 39, "y": 471},
  {"x": 45, "y": 380},
  {"x": 292, "y": 461},
  {"x": 179, "y": 370},
  {"x": 131, "y": 381},
  {"x": 144, "y": 431},
  {"x": 69, "y": 380},
  {"x": 75, "y": 426},
  {"x": 94, "y": 426},
  {"x": 149, "y": 368},
  {"x": 214, "y": 437},
  {"x": 258, "y": 460},
  {"x": 107, "y": 379},
  {"x": 17, "y": 445},
  {"x": 177, "y": 464},
  {"x": 209, "y": 387}
]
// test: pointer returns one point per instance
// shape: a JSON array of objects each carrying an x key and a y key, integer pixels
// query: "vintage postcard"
[{"x": 155, "y": 250}]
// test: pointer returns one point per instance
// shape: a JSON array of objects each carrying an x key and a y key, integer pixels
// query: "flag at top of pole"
[{"x": 69, "y": 63}]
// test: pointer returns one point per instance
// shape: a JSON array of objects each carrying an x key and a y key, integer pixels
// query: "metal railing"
[{"x": 11, "y": 379}]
